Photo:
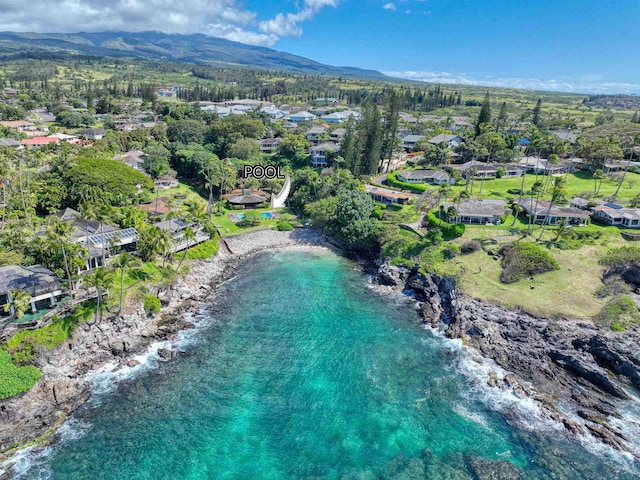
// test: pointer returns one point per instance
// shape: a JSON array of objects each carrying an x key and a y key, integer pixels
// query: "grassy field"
[{"x": 567, "y": 292}]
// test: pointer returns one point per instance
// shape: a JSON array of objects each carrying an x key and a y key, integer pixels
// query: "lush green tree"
[
  {"x": 101, "y": 279},
  {"x": 124, "y": 262},
  {"x": 19, "y": 303},
  {"x": 485, "y": 113},
  {"x": 244, "y": 149},
  {"x": 186, "y": 131},
  {"x": 293, "y": 146},
  {"x": 370, "y": 139},
  {"x": 353, "y": 221},
  {"x": 349, "y": 148},
  {"x": 59, "y": 233}
]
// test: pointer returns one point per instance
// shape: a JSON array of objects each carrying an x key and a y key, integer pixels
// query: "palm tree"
[
  {"x": 563, "y": 228},
  {"x": 451, "y": 213},
  {"x": 597, "y": 181},
  {"x": 102, "y": 279},
  {"x": 557, "y": 194},
  {"x": 124, "y": 262},
  {"x": 60, "y": 233},
  {"x": 515, "y": 210},
  {"x": 636, "y": 139},
  {"x": 189, "y": 235},
  {"x": 18, "y": 303},
  {"x": 536, "y": 189}
]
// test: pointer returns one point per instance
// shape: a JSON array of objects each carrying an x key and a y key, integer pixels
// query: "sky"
[{"x": 581, "y": 46}]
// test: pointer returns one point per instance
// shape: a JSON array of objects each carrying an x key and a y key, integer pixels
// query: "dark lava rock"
[{"x": 495, "y": 470}]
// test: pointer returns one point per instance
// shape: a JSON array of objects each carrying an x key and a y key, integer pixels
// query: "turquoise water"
[
  {"x": 306, "y": 373},
  {"x": 265, "y": 215}
]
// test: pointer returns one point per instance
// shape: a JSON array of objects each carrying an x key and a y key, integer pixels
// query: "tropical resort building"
[
  {"x": 387, "y": 196},
  {"x": 42, "y": 284},
  {"x": 478, "y": 211},
  {"x": 543, "y": 212},
  {"x": 246, "y": 198},
  {"x": 177, "y": 229},
  {"x": 612, "y": 214},
  {"x": 434, "y": 177}
]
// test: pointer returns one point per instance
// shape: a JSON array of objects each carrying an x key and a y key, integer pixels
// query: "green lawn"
[
  {"x": 568, "y": 292},
  {"x": 228, "y": 227}
]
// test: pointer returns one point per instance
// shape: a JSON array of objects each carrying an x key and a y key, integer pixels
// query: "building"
[
  {"x": 452, "y": 141},
  {"x": 246, "y": 198},
  {"x": 269, "y": 145},
  {"x": 612, "y": 214},
  {"x": 37, "y": 142},
  {"x": 133, "y": 158},
  {"x": 584, "y": 203},
  {"x": 42, "y": 284},
  {"x": 165, "y": 183},
  {"x": 386, "y": 195},
  {"x": 11, "y": 143},
  {"x": 321, "y": 155},
  {"x": 337, "y": 135},
  {"x": 479, "y": 169},
  {"x": 540, "y": 166},
  {"x": 92, "y": 133},
  {"x": 317, "y": 134},
  {"x": 299, "y": 117},
  {"x": 177, "y": 229},
  {"x": 339, "y": 117},
  {"x": 433, "y": 177},
  {"x": 20, "y": 125},
  {"x": 542, "y": 212},
  {"x": 479, "y": 211},
  {"x": 409, "y": 142}
]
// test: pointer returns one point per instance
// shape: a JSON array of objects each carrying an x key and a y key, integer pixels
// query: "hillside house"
[
  {"x": 409, "y": 142},
  {"x": 269, "y": 145},
  {"x": 450, "y": 140},
  {"x": 387, "y": 196},
  {"x": 133, "y": 158},
  {"x": 556, "y": 213},
  {"x": 177, "y": 229},
  {"x": 43, "y": 286},
  {"x": 165, "y": 183},
  {"x": 300, "y": 117},
  {"x": 317, "y": 134},
  {"x": 321, "y": 155}
]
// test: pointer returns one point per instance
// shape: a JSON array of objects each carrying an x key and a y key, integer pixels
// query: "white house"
[
  {"x": 301, "y": 117},
  {"x": 434, "y": 177},
  {"x": 452, "y": 141},
  {"x": 320, "y": 154}
]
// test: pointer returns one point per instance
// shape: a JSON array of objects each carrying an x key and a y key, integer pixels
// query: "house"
[
  {"x": 512, "y": 170},
  {"x": 452, "y": 141},
  {"x": 540, "y": 166},
  {"x": 583, "y": 203},
  {"x": 92, "y": 133},
  {"x": 20, "y": 125},
  {"x": 246, "y": 198},
  {"x": 274, "y": 113},
  {"x": 386, "y": 195},
  {"x": 165, "y": 183},
  {"x": 64, "y": 138},
  {"x": 409, "y": 142},
  {"x": 156, "y": 209},
  {"x": 317, "y": 134},
  {"x": 269, "y": 145},
  {"x": 479, "y": 169},
  {"x": 612, "y": 214},
  {"x": 43, "y": 285},
  {"x": 133, "y": 158},
  {"x": 177, "y": 229},
  {"x": 434, "y": 177},
  {"x": 299, "y": 117},
  {"x": 37, "y": 142},
  {"x": 542, "y": 211},
  {"x": 479, "y": 211},
  {"x": 337, "y": 134},
  {"x": 567, "y": 135},
  {"x": 339, "y": 117},
  {"x": 321, "y": 154},
  {"x": 11, "y": 143},
  {"x": 11, "y": 92}
]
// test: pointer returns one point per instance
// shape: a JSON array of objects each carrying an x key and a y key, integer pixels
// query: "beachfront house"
[
  {"x": 433, "y": 177},
  {"x": 177, "y": 230},
  {"x": 387, "y": 196},
  {"x": 542, "y": 211},
  {"x": 43, "y": 286},
  {"x": 478, "y": 211}
]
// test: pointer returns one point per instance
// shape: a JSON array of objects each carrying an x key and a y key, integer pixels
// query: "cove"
[{"x": 304, "y": 372}]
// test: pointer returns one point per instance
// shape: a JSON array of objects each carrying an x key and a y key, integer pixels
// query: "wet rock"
[
  {"x": 390, "y": 276},
  {"x": 165, "y": 354}
]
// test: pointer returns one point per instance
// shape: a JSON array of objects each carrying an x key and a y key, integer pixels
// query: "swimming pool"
[{"x": 265, "y": 215}]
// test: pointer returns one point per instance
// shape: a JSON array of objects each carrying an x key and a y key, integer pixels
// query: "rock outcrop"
[{"x": 572, "y": 369}]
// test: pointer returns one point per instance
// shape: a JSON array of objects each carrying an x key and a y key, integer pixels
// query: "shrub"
[
  {"x": 250, "y": 220},
  {"x": 151, "y": 304},
  {"x": 393, "y": 181},
  {"x": 15, "y": 379},
  {"x": 283, "y": 226},
  {"x": 470, "y": 247},
  {"x": 622, "y": 256},
  {"x": 525, "y": 259},
  {"x": 618, "y": 314},
  {"x": 451, "y": 251},
  {"x": 448, "y": 230}
]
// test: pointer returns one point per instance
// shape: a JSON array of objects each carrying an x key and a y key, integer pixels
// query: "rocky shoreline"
[
  {"x": 34, "y": 415},
  {"x": 580, "y": 375}
]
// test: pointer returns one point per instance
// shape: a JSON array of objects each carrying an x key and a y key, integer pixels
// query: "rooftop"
[{"x": 36, "y": 279}]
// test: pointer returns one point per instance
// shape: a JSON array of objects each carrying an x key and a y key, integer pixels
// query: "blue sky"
[{"x": 565, "y": 45}]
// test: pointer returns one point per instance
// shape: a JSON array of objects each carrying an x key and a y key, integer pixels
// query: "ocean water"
[{"x": 301, "y": 371}]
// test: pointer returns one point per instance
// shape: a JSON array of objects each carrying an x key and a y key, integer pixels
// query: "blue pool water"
[{"x": 265, "y": 215}]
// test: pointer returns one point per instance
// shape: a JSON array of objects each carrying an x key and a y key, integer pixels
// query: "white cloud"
[
  {"x": 579, "y": 85},
  {"x": 287, "y": 25},
  {"x": 223, "y": 18},
  {"x": 389, "y": 6}
]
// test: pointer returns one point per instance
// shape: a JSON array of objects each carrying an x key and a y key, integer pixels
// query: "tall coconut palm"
[
  {"x": 59, "y": 233},
  {"x": 597, "y": 181},
  {"x": 536, "y": 189},
  {"x": 18, "y": 303},
  {"x": 124, "y": 261},
  {"x": 101, "y": 280},
  {"x": 189, "y": 235},
  {"x": 636, "y": 140},
  {"x": 557, "y": 194}
]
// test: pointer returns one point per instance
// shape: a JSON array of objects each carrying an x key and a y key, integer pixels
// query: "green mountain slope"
[{"x": 195, "y": 48}]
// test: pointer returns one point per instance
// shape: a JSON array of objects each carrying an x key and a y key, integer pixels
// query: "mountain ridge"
[{"x": 194, "y": 48}]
